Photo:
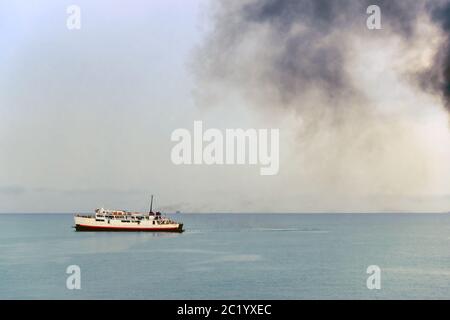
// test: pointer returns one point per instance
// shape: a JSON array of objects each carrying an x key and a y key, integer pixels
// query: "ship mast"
[{"x": 151, "y": 206}]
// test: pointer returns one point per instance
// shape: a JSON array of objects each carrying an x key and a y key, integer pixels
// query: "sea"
[{"x": 230, "y": 256}]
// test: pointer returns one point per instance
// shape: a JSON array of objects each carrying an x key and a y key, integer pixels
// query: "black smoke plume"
[
  {"x": 304, "y": 46},
  {"x": 441, "y": 14}
]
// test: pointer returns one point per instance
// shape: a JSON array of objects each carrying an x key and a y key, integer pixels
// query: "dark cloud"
[
  {"x": 441, "y": 14},
  {"x": 301, "y": 45}
]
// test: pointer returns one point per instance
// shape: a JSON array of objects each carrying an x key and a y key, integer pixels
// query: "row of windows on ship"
[{"x": 129, "y": 217}]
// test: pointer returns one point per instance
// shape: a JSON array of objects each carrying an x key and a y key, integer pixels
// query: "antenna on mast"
[{"x": 151, "y": 205}]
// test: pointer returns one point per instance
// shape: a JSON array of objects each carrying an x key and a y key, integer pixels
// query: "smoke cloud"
[
  {"x": 307, "y": 57},
  {"x": 297, "y": 45},
  {"x": 441, "y": 14}
]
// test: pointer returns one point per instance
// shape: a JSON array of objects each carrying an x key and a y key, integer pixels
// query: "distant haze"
[{"x": 86, "y": 115}]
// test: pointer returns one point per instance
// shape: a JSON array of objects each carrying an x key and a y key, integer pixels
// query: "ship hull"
[
  {"x": 80, "y": 227},
  {"x": 92, "y": 224}
]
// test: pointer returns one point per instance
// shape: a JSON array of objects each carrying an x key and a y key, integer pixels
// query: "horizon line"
[{"x": 248, "y": 212}]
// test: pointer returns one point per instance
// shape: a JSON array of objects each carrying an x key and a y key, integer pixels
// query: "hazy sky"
[{"x": 86, "y": 115}]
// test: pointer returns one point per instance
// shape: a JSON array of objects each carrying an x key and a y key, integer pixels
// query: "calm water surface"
[{"x": 234, "y": 256}]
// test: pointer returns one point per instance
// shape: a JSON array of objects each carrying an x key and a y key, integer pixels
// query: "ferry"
[{"x": 121, "y": 220}]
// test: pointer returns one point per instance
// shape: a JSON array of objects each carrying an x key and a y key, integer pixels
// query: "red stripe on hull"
[{"x": 82, "y": 227}]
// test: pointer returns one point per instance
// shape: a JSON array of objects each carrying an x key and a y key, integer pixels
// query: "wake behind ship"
[{"x": 120, "y": 220}]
